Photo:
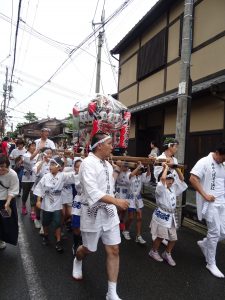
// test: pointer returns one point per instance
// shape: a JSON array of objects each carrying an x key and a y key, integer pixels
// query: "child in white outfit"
[
  {"x": 136, "y": 180},
  {"x": 163, "y": 224}
]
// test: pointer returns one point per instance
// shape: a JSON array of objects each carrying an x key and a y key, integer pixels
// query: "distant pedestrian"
[
  {"x": 208, "y": 179},
  {"x": 5, "y": 146},
  {"x": 154, "y": 150},
  {"x": 163, "y": 224},
  {"x": 44, "y": 141}
]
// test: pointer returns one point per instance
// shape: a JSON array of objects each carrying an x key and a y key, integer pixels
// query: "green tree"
[
  {"x": 30, "y": 117},
  {"x": 69, "y": 123}
]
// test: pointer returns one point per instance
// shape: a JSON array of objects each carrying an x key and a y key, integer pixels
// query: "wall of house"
[
  {"x": 207, "y": 113},
  {"x": 207, "y": 58}
]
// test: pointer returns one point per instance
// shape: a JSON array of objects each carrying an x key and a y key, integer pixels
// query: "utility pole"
[
  {"x": 99, "y": 55},
  {"x": 184, "y": 90},
  {"x": 5, "y": 89}
]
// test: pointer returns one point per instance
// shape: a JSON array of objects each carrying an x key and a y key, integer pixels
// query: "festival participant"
[
  {"x": 122, "y": 183},
  {"x": 28, "y": 179},
  {"x": 170, "y": 147},
  {"x": 41, "y": 168},
  {"x": 49, "y": 192},
  {"x": 9, "y": 188},
  {"x": 67, "y": 199},
  {"x": 99, "y": 218},
  {"x": 137, "y": 178},
  {"x": 163, "y": 224},
  {"x": 76, "y": 207},
  {"x": 19, "y": 150},
  {"x": 207, "y": 178},
  {"x": 44, "y": 141}
]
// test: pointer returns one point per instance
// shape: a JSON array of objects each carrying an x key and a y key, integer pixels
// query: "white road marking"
[{"x": 35, "y": 288}]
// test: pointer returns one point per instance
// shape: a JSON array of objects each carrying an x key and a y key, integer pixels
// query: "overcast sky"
[{"x": 63, "y": 24}]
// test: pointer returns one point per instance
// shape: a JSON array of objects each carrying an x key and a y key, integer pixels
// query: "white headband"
[
  {"x": 170, "y": 176},
  {"x": 100, "y": 142},
  {"x": 52, "y": 160},
  {"x": 170, "y": 144}
]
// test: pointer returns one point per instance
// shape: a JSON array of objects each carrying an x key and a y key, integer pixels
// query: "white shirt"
[
  {"x": 122, "y": 185},
  {"x": 134, "y": 193},
  {"x": 28, "y": 173},
  {"x": 43, "y": 170},
  {"x": 50, "y": 189},
  {"x": 11, "y": 182},
  {"x": 136, "y": 182},
  {"x": 212, "y": 179},
  {"x": 166, "y": 201},
  {"x": 48, "y": 144},
  {"x": 97, "y": 180},
  {"x": 76, "y": 205},
  {"x": 159, "y": 169},
  {"x": 15, "y": 153}
]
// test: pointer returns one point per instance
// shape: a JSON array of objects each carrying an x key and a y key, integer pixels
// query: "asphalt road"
[{"x": 32, "y": 271}]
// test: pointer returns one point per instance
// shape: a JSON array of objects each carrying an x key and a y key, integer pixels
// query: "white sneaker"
[
  {"x": 167, "y": 256},
  {"x": 2, "y": 245},
  {"x": 112, "y": 297},
  {"x": 37, "y": 224},
  {"x": 155, "y": 255},
  {"x": 77, "y": 269},
  {"x": 140, "y": 240},
  {"x": 202, "y": 247},
  {"x": 215, "y": 271},
  {"x": 126, "y": 235}
]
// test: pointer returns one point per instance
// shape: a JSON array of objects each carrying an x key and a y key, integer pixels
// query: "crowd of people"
[{"x": 95, "y": 198}]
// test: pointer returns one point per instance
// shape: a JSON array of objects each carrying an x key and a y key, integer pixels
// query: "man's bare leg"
[{"x": 112, "y": 266}]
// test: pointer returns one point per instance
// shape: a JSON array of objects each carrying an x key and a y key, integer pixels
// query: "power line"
[
  {"x": 116, "y": 12},
  {"x": 110, "y": 59},
  {"x": 15, "y": 43},
  {"x": 59, "y": 45},
  {"x": 10, "y": 44}
]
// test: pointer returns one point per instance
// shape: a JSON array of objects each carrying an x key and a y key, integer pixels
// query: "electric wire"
[
  {"x": 59, "y": 45},
  {"x": 11, "y": 23},
  {"x": 110, "y": 59},
  {"x": 23, "y": 31},
  {"x": 15, "y": 45},
  {"x": 115, "y": 13}
]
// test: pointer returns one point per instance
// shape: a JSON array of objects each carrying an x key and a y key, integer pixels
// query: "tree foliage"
[{"x": 30, "y": 117}]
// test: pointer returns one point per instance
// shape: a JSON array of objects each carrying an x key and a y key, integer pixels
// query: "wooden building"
[{"x": 149, "y": 62}]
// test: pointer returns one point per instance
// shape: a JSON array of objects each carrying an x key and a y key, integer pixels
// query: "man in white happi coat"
[
  {"x": 99, "y": 218},
  {"x": 44, "y": 141},
  {"x": 208, "y": 179}
]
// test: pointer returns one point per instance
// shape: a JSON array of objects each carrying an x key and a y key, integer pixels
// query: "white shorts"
[{"x": 110, "y": 238}]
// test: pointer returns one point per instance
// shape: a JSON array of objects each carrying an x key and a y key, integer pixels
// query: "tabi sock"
[{"x": 112, "y": 288}]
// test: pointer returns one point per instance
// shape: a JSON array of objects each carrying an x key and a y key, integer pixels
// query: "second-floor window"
[{"x": 152, "y": 56}]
